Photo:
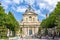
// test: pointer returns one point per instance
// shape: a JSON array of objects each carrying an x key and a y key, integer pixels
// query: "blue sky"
[{"x": 18, "y": 7}]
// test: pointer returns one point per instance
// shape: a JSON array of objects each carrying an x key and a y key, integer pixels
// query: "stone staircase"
[{"x": 28, "y": 37}]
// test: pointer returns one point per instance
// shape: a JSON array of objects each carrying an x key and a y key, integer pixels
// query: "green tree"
[
  {"x": 57, "y": 12},
  {"x": 53, "y": 17},
  {"x": 13, "y": 23},
  {"x": 3, "y": 29},
  {"x": 53, "y": 20},
  {"x": 7, "y": 21}
]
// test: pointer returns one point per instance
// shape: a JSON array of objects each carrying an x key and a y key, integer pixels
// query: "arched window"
[
  {"x": 30, "y": 18},
  {"x": 33, "y": 19}
]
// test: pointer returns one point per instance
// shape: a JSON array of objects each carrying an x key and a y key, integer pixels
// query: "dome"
[{"x": 30, "y": 10}]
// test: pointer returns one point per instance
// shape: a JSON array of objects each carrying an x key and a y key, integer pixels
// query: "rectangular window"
[{"x": 33, "y": 19}]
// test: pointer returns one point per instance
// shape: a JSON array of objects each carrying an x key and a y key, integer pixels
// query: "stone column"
[
  {"x": 11, "y": 33},
  {"x": 8, "y": 33},
  {"x": 36, "y": 30},
  {"x": 32, "y": 30},
  {"x": 27, "y": 30}
]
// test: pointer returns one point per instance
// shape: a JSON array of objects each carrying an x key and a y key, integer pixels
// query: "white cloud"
[
  {"x": 21, "y": 1},
  {"x": 13, "y": 8},
  {"x": 16, "y": 1},
  {"x": 39, "y": 13},
  {"x": 31, "y": 2},
  {"x": 59, "y": 0},
  {"x": 51, "y": 2},
  {"x": 42, "y": 15},
  {"x": 7, "y": 1},
  {"x": 47, "y": 4},
  {"x": 21, "y": 9},
  {"x": 42, "y": 5},
  {"x": 5, "y": 6}
]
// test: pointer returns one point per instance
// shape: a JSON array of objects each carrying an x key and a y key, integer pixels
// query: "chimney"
[
  {"x": 0, "y": 3},
  {"x": 46, "y": 15}
]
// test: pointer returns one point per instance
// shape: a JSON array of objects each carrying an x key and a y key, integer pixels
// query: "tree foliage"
[
  {"x": 53, "y": 20},
  {"x": 7, "y": 21},
  {"x": 53, "y": 17},
  {"x": 13, "y": 22},
  {"x": 57, "y": 13}
]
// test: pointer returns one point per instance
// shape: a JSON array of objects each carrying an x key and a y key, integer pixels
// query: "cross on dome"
[{"x": 29, "y": 9}]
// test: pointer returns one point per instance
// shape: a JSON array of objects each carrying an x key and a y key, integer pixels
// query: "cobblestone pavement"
[
  {"x": 32, "y": 39},
  {"x": 28, "y": 39},
  {"x": 18, "y": 38}
]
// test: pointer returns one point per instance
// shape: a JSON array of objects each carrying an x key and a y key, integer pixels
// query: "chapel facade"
[{"x": 30, "y": 22}]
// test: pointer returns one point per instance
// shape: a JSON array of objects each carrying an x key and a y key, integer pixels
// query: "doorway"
[{"x": 30, "y": 32}]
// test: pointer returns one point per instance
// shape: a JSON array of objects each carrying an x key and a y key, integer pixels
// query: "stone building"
[{"x": 30, "y": 22}]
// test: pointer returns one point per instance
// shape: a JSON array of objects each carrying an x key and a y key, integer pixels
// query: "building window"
[
  {"x": 30, "y": 18},
  {"x": 33, "y": 19}
]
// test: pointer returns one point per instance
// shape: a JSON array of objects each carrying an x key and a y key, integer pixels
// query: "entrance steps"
[{"x": 28, "y": 37}]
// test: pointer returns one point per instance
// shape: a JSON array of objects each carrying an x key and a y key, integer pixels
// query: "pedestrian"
[
  {"x": 46, "y": 36},
  {"x": 54, "y": 35},
  {"x": 40, "y": 36}
]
